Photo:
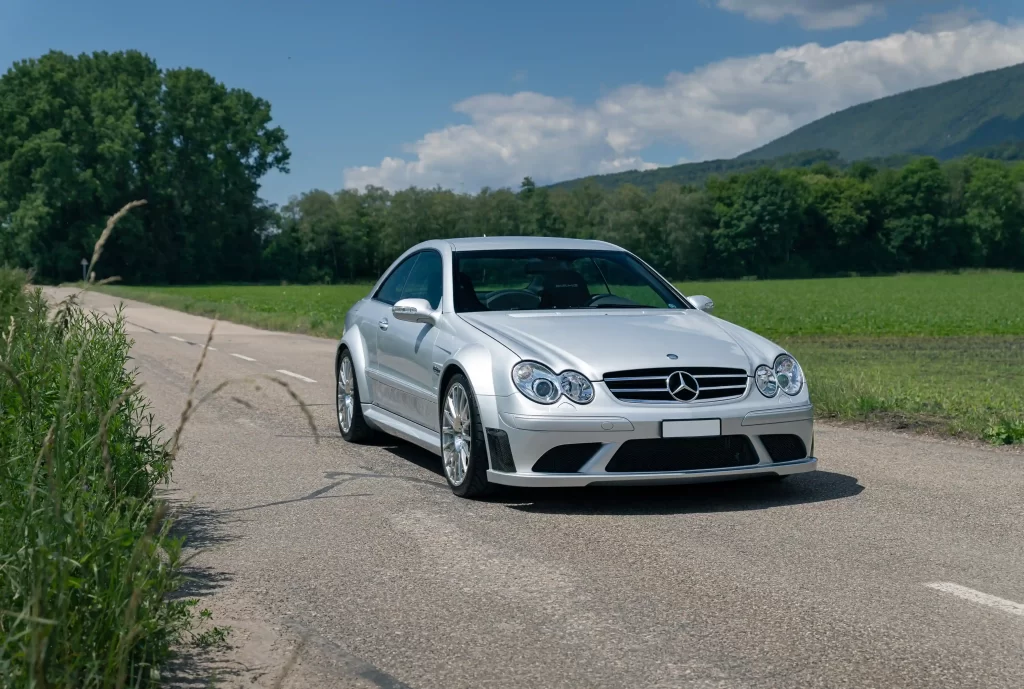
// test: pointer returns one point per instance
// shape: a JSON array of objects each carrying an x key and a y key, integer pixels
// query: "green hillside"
[
  {"x": 981, "y": 115},
  {"x": 697, "y": 173},
  {"x": 947, "y": 120}
]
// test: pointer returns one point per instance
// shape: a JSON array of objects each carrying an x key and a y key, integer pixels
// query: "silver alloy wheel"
[
  {"x": 456, "y": 434},
  {"x": 346, "y": 394}
]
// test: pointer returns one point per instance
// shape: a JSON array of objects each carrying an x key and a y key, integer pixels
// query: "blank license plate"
[{"x": 691, "y": 429}]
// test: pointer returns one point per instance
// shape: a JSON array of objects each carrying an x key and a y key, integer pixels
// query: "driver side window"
[
  {"x": 391, "y": 289},
  {"x": 425, "y": 279}
]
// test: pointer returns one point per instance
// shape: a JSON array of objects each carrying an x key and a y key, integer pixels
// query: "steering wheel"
[{"x": 511, "y": 300}]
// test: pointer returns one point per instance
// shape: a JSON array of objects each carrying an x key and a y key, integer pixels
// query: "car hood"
[{"x": 595, "y": 342}]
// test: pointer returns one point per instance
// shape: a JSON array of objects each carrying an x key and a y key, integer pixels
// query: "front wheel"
[
  {"x": 462, "y": 440},
  {"x": 351, "y": 423}
]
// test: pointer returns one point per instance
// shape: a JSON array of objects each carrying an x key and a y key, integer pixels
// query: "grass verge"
[
  {"x": 85, "y": 553},
  {"x": 958, "y": 386},
  {"x": 937, "y": 352}
]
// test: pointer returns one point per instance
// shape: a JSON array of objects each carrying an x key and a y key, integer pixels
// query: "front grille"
[
  {"x": 784, "y": 448},
  {"x": 501, "y": 452},
  {"x": 651, "y": 384},
  {"x": 565, "y": 459},
  {"x": 683, "y": 454}
]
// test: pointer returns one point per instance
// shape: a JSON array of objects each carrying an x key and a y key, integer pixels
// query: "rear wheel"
[
  {"x": 351, "y": 423},
  {"x": 462, "y": 440}
]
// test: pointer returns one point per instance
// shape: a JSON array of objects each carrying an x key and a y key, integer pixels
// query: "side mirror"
[
  {"x": 414, "y": 311},
  {"x": 701, "y": 302}
]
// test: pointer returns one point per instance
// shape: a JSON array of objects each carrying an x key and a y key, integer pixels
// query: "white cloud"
[
  {"x": 812, "y": 14},
  {"x": 719, "y": 110},
  {"x": 949, "y": 21}
]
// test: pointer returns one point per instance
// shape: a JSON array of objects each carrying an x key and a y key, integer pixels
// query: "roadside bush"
[{"x": 86, "y": 561}]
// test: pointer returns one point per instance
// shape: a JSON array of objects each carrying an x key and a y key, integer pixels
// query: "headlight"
[
  {"x": 541, "y": 385},
  {"x": 788, "y": 374},
  {"x": 576, "y": 387},
  {"x": 766, "y": 383}
]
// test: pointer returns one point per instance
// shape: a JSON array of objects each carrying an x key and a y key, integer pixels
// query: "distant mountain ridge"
[{"x": 982, "y": 114}]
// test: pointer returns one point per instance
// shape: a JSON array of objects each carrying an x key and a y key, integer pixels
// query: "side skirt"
[{"x": 402, "y": 428}]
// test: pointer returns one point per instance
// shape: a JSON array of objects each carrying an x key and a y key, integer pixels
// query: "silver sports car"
[{"x": 530, "y": 361}]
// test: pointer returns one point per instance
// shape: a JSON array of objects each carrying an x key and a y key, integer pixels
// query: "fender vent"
[
  {"x": 501, "y": 453},
  {"x": 565, "y": 459}
]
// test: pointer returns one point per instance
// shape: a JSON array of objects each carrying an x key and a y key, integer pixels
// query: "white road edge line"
[
  {"x": 243, "y": 357},
  {"x": 295, "y": 375},
  {"x": 179, "y": 339},
  {"x": 978, "y": 597},
  {"x": 212, "y": 349}
]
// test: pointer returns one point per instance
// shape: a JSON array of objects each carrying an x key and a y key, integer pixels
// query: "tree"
[
  {"x": 81, "y": 136},
  {"x": 760, "y": 215},
  {"x": 916, "y": 229},
  {"x": 993, "y": 214}
]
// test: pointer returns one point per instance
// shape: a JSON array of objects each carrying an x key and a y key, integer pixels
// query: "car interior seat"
[
  {"x": 564, "y": 289},
  {"x": 468, "y": 300}
]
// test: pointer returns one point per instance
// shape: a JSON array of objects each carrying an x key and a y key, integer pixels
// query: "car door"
[
  {"x": 376, "y": 317},
  {"x": 405, "y": 350}
]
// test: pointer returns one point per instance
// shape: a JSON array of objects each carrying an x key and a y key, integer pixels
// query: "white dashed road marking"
[
  {"x": 179, "y": 339},
  {"x": 243, "y": 357},
  {"x": 295, "y": 375},
  {"x": 978, "y": 597}
]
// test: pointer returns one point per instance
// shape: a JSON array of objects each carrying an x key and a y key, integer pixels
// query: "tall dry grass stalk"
[{"x": 97, "y": 250}]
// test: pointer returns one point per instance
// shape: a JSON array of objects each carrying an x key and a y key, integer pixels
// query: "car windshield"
[{"x": 536, "y": 279}]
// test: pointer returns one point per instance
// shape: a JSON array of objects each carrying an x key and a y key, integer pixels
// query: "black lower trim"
[
  {"x": 501, "y": 452},
  {"x": 784, "y": 447},
  {"x": 565, "y": 459},
  {"x": 684, "y": 454}
]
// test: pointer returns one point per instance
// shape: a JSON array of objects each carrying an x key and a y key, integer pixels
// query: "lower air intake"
[
  {"x": 683, "y": 454},
  {"x": 565, "y": 459},
  {"x": 784, "y": 448}
]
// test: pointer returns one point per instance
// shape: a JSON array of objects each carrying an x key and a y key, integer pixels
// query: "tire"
[
  {"x": 465, "y": 472},
  {"x": 347, "y": 389}
]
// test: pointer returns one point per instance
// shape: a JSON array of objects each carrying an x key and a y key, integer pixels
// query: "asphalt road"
[{"x": 899, "y": 564}]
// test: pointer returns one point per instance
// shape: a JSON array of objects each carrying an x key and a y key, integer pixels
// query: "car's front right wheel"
[{"x": 462, "y": 440}]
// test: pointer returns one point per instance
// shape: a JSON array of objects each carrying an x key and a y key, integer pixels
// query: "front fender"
[
  {"x": 484, "y": 368},
  {"x": 355, "y": 343}
]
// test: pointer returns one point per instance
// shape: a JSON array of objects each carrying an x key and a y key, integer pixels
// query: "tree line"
[
  {"x": 81, "y": 136},
  {"x": 765, "y": 223}
]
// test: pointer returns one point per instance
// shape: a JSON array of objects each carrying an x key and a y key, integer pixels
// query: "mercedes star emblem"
[{"x": 683, "y": 386}]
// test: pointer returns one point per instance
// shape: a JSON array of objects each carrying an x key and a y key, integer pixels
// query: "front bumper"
[{"x": 607, "y": 424}]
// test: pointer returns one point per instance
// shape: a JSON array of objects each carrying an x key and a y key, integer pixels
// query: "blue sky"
[{"x": 467, "y": 94}]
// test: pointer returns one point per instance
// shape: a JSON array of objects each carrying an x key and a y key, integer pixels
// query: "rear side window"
[
  {"x": 391, "y": 290},
  {"x": 425, "y": 279}
]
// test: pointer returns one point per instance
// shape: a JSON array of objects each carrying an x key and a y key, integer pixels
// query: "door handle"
[{"x": 383, "y": 323}]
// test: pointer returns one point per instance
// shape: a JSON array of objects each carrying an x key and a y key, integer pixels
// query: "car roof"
[{"x": 489, "y": 243}]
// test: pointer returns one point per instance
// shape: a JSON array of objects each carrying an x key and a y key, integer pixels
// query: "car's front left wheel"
[
  {"x": 351, "y": 423},
  {"x": 462, "y": 440}
]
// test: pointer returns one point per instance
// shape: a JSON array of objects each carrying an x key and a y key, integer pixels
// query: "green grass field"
[{"x": 939, "y": 352}]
